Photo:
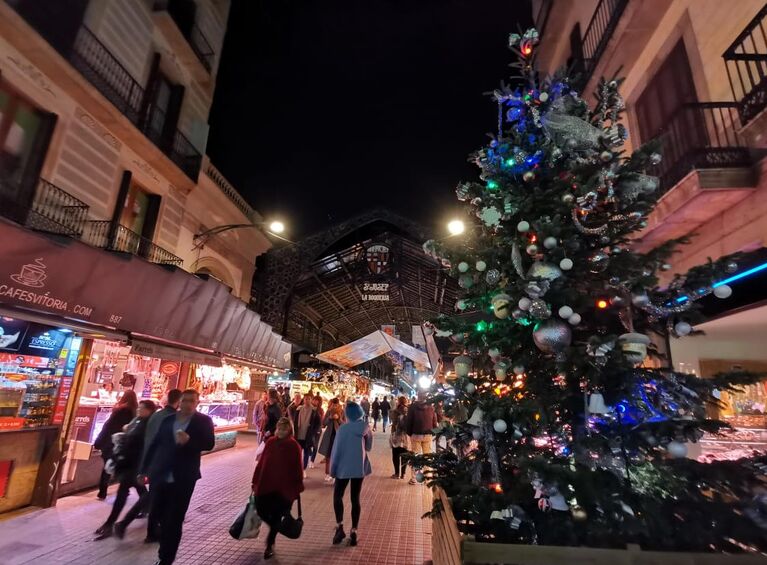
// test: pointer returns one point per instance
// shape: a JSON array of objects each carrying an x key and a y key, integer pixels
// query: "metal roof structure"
[{"x": 349, "y": 280}]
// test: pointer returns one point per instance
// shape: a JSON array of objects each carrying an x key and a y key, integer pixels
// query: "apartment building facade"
[
  {"x": 696, "y": 77},
  {"x": 105, "y": 188}
]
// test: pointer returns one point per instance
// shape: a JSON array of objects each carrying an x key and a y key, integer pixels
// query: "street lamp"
[
  {"x": 456, "y": 227},
  {"x": 274, "y": 228}
]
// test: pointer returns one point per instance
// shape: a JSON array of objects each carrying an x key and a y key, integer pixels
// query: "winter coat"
[
  {"x": 129, "y": 455},
  {"x": 385, "y": 408},
  {"x": 421, "y": 419},
  {"x": 376, "y": 409},
  {"x": 398, "y": 437},
  {"x": 314, "y": 426},
  {"x": 120, "y": 417},
  {"x": 349, "y": 459},
  {"x": 272, "y": 415},
  {"x": 280, "y": 470},
  {"x": 331, "y": 428},
  {"x": 365, "y": 407}
]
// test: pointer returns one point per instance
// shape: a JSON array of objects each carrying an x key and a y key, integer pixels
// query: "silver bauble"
[
  {"x": 552, "y": 335},
  {"x": 655, "y": 158},
  {"x": 574, "y": 319},
  {"x": 476, "y": 433},
  {"x": 547, "y": 271},
  {"x": 524, "y": 303},
  {"x": 492, "y": 277},
  {"x": 523, "y": 226},
  {"x": 461, "y": 305},
  {"x": 550, "y": 242},
  {"x": 568, "y": 198},
  {"x": 571, "y": 143},
  {"x": 682, "y": 328},
  {"x": 481, "y": 266},
  {"x": 598, "y": 261},
  {"x": 640, "y": 300},
  {"x": 605, "y": 156},
  {"x": 493, "y": 352},
  {"x": 731, "y": 267},
  {"x": 465, "y": 281},
  {"x": 500, "y": 426},
  {"x": 565, "y": 312},
  {"x": 500, "y": 369},
  {"x": 723, "y": 291},
  {"x": 463, "y": 267},
  {"x": 462, "y": 365},
  {"x": 517, "y": 314},
  {"x": 532, "y": 249},
  {"x": 528, "y": 176},
  {"x": 566, "y": 264},
  {"x": 540, "y": 309}
]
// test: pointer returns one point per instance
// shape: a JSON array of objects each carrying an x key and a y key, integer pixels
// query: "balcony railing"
[
  {"x": 55, "y": 210},
  {"x": 746, "y": 62},
  {"x": 115, "y": 237},
  {"x": 201, "y": 47},
  {"x": 97, "y": 64},
  {"x": 598, "y": 34},
  {"x": 49, "y": 209},
  {"x": 702, "y": 135}
]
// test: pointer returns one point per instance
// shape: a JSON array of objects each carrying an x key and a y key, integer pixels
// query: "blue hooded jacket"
[{"x": 349, "y": 458}]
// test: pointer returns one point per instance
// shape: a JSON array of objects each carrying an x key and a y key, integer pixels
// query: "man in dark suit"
[{"x": 172, "y": 464}]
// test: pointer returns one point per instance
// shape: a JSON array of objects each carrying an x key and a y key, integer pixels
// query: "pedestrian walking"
[
  {"x": 333, "y": 420},
  {"x": 398, "y": 438},
  {"x": 365, "y": 404},
  {"x": 421, "y": 421},
  {"x": 259, "y": 411},
  {"x": 306, "y": 423},
  {"x": 317, "y": 403},
  {"x": 172, "y": 465},
  {"x": 349, "y": 464},
  {"x": 376, "y": 413},
  {"x": 122, "y": 414},
  {"x": 285, "y": 399},
  {"x": 385, "y": 408},
  {"x": 277, "y": 480},
  {"x": 293, "y": 407},
  {"x": 126, "y": 458},
  {"x": 272, "y": 414},
  {"x": 144, "y": 503}
]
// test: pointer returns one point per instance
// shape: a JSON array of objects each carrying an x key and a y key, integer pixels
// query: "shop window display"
[
  {"x": 222, "y": 393},
  {"x": 33, "y": 362}
]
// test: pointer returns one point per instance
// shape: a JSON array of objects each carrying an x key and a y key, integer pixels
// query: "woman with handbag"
[
  {"x": 332, "y": 421},
  {"x": 278, "y": 480},
  {"x": 306, "y": 423},
  {"x": 349, "y": 464},
  {"x": 122, "y": 414},
  {"x": 398, "y": 439}
]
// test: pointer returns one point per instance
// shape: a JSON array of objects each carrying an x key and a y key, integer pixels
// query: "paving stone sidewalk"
[{"x": 391, "y": 529}]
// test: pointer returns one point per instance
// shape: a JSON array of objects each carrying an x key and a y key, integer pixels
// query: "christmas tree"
[{"x": 566, "y": 425}]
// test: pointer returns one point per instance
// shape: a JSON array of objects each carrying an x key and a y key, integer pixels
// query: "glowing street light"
[
  {"x": 424, "y": 382},
  {"x": 276, "y": 227},
  {"x": 456, "y": 227}
]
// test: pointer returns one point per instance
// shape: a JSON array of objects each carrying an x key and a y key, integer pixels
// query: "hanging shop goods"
[
  {"x": 332, "y": 383},
  {"x": 222, "y": 391}
]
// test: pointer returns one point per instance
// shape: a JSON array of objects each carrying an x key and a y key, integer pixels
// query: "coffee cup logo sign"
[{"x": 32, "y": 274}]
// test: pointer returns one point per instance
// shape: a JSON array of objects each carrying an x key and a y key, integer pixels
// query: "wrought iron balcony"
[
  {"x": 746, "y": 62},
  {"x": 183, "y": 13},
  {"x": 597, "y": 36},
  {"x": 116, "y": 237},
  {"x": 51, "y": 209},
  {"x": 702, "y": 135}
]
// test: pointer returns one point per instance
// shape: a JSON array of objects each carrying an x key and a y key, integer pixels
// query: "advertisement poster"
[{"x": 12, "y": 333}]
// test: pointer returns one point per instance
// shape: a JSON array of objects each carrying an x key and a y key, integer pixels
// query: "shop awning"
[
  {"x": 369, "y": 347},
  {"x": 69, "y": 279},
  {"x": 151, "y": 349}
]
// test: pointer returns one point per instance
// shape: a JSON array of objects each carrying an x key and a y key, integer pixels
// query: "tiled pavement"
[{"x": 391, "y": 529}]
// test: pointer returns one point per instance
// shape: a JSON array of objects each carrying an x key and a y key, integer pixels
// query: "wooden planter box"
[{"x": 450, "y": 547}]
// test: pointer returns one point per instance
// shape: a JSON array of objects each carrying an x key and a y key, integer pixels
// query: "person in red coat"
[{"x": 278, "y": 480}]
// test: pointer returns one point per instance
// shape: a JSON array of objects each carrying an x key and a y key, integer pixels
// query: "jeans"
[
  {"x": 385, "y": 421},
  {"x": 272, "y": 508},
  {"x": 338, "y": 499},
  {"x": 306, "y": 449},
  {"x": 396, "y": 455},
  {"x": 122, "y": 496},
  {"x": 172, "y": 502}
]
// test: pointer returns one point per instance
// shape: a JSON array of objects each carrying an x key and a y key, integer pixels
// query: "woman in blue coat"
[{"x": 349, "y": 463}]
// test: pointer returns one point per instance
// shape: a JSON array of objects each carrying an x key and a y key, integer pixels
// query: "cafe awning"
[
  {"x": 68, "y": 279},
  {"x": 369, "y": 347}
]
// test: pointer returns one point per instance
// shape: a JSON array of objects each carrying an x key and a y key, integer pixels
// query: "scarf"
[{"x": 304, "y": 418}]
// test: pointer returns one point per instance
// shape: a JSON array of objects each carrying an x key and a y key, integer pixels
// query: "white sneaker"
[
  {"x": 311, "y": 464},
  {"x": 304, "y": 474}
]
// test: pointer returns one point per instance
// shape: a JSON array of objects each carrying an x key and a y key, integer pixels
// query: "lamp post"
[{"x": 273, "y": 228}]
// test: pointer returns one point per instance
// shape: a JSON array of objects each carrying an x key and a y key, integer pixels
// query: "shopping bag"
[
  {"x": 260, "y": 449},
  {"x": 291, "y": 527},
  {"x": 247, "y": 524}
]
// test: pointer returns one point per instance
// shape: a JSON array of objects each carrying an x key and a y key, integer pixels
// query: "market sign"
[{"x": 375, "y": 292}]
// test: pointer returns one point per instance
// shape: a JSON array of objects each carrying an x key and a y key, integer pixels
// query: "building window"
[
  {"x": 20, "y": 125},
  {"x": 140, "y": 211}
]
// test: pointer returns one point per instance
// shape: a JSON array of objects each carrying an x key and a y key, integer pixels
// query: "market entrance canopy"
[{"x": 371, "y": 346}]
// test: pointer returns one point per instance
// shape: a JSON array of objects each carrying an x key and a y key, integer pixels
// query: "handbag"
[
  {"x": 291, "y": 527},
  {"x": 248, "y": 523}
]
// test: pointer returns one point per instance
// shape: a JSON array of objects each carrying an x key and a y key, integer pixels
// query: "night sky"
[{"x": 327, "y": 108}]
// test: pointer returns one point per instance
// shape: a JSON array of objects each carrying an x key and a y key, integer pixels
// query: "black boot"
[
  {"x": 269, "y": 551},
  {"x": 353, "y": 538},
  {"x": 339, "y": 535},
  {"x": 104, "y": 532}
]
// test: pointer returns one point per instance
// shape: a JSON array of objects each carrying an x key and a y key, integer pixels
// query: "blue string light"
[{"x": 731, "y": 279}]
